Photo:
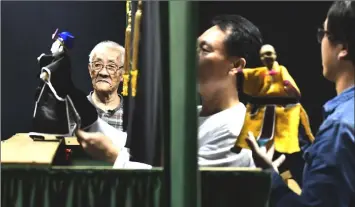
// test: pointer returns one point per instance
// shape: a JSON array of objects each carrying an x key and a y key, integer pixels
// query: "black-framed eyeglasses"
[
  {"x": 321, "y": 33},
  {"x": 111, "y": 67}
]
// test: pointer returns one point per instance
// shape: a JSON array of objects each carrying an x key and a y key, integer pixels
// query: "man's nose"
[{"x": 103, "y": 72}]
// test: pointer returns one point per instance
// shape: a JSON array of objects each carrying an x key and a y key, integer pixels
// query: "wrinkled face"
[
  {"x": 331, "y": 55},
  {"x": 213, "y": 64},
  {"x": 106, "y": 69}
]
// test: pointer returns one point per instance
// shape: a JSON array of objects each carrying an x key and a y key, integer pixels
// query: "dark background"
[{"x": 26, "y": 29}]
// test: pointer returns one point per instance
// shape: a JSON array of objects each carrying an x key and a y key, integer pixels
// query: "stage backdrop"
[{"x": 26, "y": 29}]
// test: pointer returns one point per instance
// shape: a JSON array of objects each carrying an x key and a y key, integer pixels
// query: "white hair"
[{"x": 108, "y": 44}]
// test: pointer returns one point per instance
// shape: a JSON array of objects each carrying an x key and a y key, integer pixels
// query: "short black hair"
[
  {"x": 244, "y": 38},
  {"x": 341, "y": 25}
]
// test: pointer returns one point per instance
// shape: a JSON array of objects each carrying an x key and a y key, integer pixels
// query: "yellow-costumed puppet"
[{"x": 274, "y": 113}]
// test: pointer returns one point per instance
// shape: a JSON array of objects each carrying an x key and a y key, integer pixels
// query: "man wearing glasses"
[
  {"x": 59, "y": 101},
  {"x": 329, "y": 172},
  {"x": 106, "y": 69}
]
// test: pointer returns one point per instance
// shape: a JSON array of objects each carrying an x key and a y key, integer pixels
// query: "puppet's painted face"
[
  {"x": 267, "y": 54},
  {"x": 56, "y": 47}
]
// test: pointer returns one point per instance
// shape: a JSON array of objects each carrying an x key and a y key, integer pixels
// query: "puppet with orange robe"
[{"x": 274, "y": 113}]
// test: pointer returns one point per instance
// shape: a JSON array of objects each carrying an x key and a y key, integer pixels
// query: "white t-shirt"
[{"x": 217, "y": 134}]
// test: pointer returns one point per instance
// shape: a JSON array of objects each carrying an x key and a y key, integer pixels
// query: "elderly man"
[
  {"x": 222, "y": 50},
  {"x": 106, "y": 69},
  {"x": 58, "y": 101},
  {"x": 329, "y": 172}
]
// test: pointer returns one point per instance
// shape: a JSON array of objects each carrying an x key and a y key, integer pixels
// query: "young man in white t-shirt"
[{"x": 222, "y": 51}]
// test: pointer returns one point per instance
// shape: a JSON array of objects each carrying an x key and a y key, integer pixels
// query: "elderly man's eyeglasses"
[
  {"x": 111, "y": 68},
  {"x": 321, "y": 33}
]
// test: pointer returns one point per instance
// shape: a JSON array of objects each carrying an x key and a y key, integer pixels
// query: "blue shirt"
[{"x": 329, "y": 173}]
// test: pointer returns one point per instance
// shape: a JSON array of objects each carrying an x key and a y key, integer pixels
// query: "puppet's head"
[
  {"x": 268, "y": 55},
  {"x": 62, "y": 41}
]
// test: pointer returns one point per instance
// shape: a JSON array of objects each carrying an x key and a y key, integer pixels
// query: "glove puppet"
[
  {"x": 274, "y": 112},
  {"x": 56, "y": 97}
]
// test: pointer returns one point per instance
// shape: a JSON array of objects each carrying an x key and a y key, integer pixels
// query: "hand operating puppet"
[
  {"x": 274, "y": 113},
  {"x": 59, "y": 102}
]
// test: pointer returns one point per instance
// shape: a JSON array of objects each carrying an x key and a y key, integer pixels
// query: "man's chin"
[
  {"x": 328, "y": 75},
  {"x": 102, "y": 85},
  {"x": 103, "y": 89}
]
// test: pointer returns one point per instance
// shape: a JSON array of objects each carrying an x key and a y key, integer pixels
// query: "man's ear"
[
  {"x": 237, "y": 65},
  {"x": 343, "y": 54}
]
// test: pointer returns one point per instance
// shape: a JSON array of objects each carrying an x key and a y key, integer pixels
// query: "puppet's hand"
[
  {"x": 290, "y": 90},
  {"x": 39, "y": 57}
]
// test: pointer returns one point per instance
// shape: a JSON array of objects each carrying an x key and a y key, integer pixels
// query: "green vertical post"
[{"x": 183, "y": 144}]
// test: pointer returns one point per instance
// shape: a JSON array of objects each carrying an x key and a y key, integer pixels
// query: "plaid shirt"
[{"x": 112, "y": 117}]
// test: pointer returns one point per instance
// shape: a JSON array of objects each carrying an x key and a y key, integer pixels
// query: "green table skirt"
[{"x": 104, "y": 187}]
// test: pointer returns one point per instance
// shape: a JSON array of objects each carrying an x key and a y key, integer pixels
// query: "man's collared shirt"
[
  {"x": 329, "y": 173},
  {"x": 112, "y": 117}
]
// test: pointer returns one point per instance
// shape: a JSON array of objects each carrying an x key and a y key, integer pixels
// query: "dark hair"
[
  {"x": 341, "y": 25},
  {"x": 244, "y": 39}
]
